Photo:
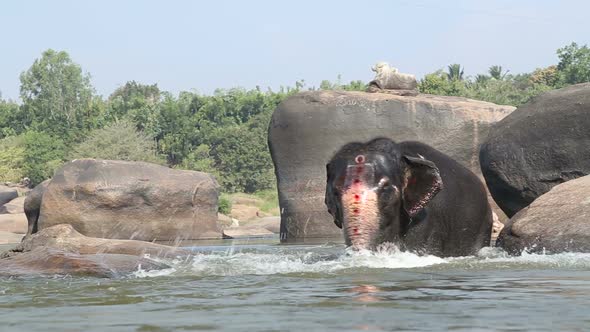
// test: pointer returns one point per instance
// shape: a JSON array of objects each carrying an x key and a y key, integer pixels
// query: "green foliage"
[
  {"x": 56, "y": 96},
  {"x": 270, "y": 199},
  {"x": 548, "y": 76},
  {"x": 504, "y": 92},
  {"x": 455, "y": 72},
  {"x": 497, "y": 73},
  {"x": 43, "y": 154},
  {"x": 438, "y": 83},
  {"x": 241, "y": 156},
  {"x": 12, "y": 159},
  {"x": 499, "y": 87},
  {"x": 224, "y": 204},
  {"x": 10, "y": 124},
  {"x": 224, "y": 134},
  {"x": 574, "y": 64},
  {"x": 357, "y": 85},
  {"x": 117, "y": 141}
]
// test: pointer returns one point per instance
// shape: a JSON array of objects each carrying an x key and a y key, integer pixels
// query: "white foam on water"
[{"x": 234, "y": 262}]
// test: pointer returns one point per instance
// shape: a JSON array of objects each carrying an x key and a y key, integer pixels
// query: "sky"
[{"x": 204, "y": 45}]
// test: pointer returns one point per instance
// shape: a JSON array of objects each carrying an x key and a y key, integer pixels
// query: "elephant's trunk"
[{"x": 360, "y": 205}]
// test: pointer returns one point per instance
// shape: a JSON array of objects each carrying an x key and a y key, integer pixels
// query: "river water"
[{"x": 263, "y": 286}]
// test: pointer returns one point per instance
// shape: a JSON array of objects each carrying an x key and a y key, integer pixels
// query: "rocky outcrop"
[
  {"x": 557, "y": 221},
  {"x": 62, "y": 250},
  {"x": 7, "y": 194},
  {"x": 541, "y": 144},
  {"x": 129, "y": 200},
  {"x": 307, "y": 129}
]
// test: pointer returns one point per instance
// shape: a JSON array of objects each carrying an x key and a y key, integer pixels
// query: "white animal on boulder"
[{"x": 389, "y": 78}]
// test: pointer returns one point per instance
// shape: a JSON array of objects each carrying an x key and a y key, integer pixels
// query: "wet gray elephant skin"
[{"x": 408, "y": 194}]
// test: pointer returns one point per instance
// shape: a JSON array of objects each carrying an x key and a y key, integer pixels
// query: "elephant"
[{"x": 408, "y": 194}]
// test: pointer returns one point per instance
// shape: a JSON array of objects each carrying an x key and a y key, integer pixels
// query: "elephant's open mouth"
[{"x": 360, "y": 205}]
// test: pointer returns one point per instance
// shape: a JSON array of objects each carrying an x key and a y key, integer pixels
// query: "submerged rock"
[
  {"x": 309, "y": 127},
  {"x": 46, "y": 261},
  {"x": 130, "y": 200},
  {"x": 541, "y": 144},
  {"x": 62, "y": 250},
  {"x": 558, "y": 221}
]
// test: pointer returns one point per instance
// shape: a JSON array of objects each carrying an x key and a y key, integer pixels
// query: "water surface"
[{"x": 262, "y": 286}]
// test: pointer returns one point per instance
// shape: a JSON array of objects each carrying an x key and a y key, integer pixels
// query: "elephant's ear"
[
  {"x": 329, "y": 197},
  {"x": 422, "y": 182}
]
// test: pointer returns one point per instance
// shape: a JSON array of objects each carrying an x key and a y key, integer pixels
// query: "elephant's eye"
[{"x": 384, "y": 183}]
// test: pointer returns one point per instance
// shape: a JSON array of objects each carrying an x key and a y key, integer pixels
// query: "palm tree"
[
  {"x": 481, "y": 78},
  {"x": 497, "y": 72},
  {"x": 455, "y": 72}
]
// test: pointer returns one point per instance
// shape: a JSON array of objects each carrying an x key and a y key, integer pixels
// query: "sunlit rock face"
[
  {"x": 130, "y": 200},
  {"x": 308, "y": 128},
  {"x": 555, "y": 222}
]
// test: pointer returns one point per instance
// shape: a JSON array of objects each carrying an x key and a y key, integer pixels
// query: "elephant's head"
[{"x": 373, "y": 190}]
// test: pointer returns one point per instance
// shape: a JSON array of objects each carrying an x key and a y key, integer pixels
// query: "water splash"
[{"x": 234, "y": 263}]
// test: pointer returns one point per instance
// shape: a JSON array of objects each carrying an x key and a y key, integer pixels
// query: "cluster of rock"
[
  {"x": 99, "y": 217},
  {"x": 536, "y": 163},
  {"x": 78, "y": 219},
  {"x": 524, "y": 154},
  {"x": 13, "y": 222},
  {"x": 308, "y": 128}
]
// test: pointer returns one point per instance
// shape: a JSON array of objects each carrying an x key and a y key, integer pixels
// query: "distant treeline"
[{"x": 61, "y": 117}]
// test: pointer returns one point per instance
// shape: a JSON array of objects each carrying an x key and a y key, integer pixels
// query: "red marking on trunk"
[
  {"x": 355, "y": 230},
  {"x": 355, "y": 211},
  {"x": 357, "y": 197},
  {"x": 357, "y": 181}
]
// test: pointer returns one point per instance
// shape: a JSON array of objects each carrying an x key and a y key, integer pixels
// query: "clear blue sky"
[{"x": 203, "y": 45}]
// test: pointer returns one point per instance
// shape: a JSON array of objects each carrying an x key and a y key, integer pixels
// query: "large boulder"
[
  {"x": 541, "y": 144},
  {"x": 309, "y": 127},
  {"x": 131, "y": 200},
  {"x": 557, "y": 221},
  {"x": 62, "y": 250},
  {"x": 7, "y": 194}
]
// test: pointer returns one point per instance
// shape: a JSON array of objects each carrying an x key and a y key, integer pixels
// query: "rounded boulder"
[
  {"x": 538, "y": 146},
  {"x": 131, "y": 200}
]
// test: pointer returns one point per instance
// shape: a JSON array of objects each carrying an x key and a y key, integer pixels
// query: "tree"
[
  {"x": 548, "y": 76},
  {"x": 118, "y": 141},
  {"x": 455, "y": 72},
  {"x": 574, "y": 64},
  {"x": 438, "y": 83},
  {"x": 481, "y": 79},
  {"x": 10, "y": 122},
  {"x": 496, "y": 72},
  {"x": 56, "y": 95},
  {"x": 12, "y": 159},
  {"x": 43, "y": 154}
]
